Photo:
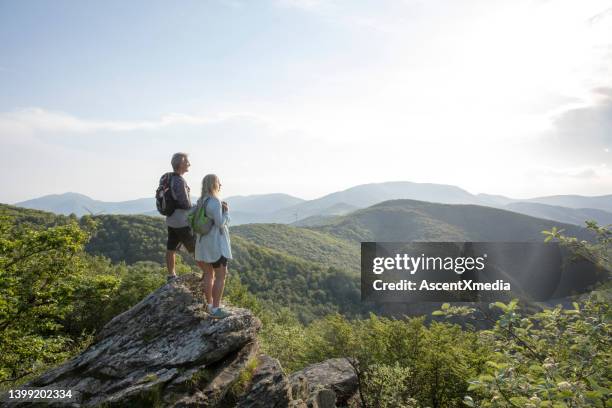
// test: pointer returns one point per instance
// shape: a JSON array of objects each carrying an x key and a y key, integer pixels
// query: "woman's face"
[{"x": 218, "y": 185}]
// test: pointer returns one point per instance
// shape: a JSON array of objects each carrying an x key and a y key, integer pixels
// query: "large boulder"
[
  {"x": 269, "y": 386},
  {"x": 336, "y": 374},
  {"x": 328, "y": 384},
  {"x": 165, "y": 351}
]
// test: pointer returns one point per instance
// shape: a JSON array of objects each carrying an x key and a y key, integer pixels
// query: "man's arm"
[{"x": 180, "y": 193}]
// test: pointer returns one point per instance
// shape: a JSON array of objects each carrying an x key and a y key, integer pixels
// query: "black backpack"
[{"x": 166, "y": 204}]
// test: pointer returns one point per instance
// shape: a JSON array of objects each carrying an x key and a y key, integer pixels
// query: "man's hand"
[{"x": 224, "y": 206}]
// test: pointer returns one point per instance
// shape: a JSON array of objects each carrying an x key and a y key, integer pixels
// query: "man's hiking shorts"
[{"x": 180, "y": 236}]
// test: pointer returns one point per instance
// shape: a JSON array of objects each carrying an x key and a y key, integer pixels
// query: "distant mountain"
[
  {"x": 262, "y": 203},
  {"x": 409, "y": 220},
  {"x": 79, "y": 204},
  {"x": 257, "y": 208},
  {"x": 286, "y": 209},
  {"x": 575, "y": 216},
  {"x": 368, "y": 194},
  {"x": 575, "y": 201},
  {"x": 494, "y": 200}
]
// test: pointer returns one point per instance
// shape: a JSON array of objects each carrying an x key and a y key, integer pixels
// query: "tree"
[{"x": 38, "y": 272}]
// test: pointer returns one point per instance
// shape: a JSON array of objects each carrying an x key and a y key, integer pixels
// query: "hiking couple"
[{"x": 211, "y": 248}]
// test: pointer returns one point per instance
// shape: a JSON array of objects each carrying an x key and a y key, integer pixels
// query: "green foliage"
[
  {"x": 303, "y": 243},
  {"x": 599, "y": 251},
  {"x": 309, "y": 289},
  {"x": 241, "y": 385},
  {"x": 38, "y": 271},
  {"x": 557, "y": 357},
  {"x": 384, "y": 387},
  {"x": 54, "y": 297},
  {"x": 107, "y": 290},
  {"x": 128, "y": 238},
  {"x": 427, "y": 365}
]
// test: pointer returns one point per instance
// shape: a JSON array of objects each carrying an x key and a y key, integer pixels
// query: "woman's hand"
[{"x": 224, "y": 206}]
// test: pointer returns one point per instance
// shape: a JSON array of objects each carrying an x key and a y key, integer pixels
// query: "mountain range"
[
  {"x": 287, "y": 209},
  {"x": 313, "y": 270}
]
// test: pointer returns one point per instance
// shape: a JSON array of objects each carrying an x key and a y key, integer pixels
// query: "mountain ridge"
[{"x": 287, "y": 209}]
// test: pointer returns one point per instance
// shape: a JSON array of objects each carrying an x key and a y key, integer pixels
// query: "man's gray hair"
[{"x": 177, "y": 159}]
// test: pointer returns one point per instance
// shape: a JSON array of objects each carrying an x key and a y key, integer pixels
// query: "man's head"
[{"x": 180, "y": 163}]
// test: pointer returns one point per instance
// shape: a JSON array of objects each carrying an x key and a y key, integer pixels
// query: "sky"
[{"x": 305, "y": 97}]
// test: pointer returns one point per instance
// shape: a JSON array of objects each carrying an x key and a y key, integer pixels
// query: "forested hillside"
[
  {"x": 55, "y": 297},
  {"x": 409, "y": 220},
  {"x": 308, "y": 244},
  {"x": 313, "y": 271},
  {"x": 309, "y": 272}
]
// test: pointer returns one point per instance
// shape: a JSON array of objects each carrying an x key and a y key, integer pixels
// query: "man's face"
[{"x": 184, "y": 167}]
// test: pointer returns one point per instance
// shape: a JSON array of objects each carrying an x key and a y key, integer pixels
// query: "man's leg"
[
  {"x": 171, "y": 262},
  {"x": 171, "y": 246}
]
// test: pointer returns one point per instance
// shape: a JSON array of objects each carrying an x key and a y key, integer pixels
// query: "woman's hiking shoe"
[
  {"x": 219, "y": 313},
  {"x": 170, "y": 278},
  {"x": 209, "y": 308}
]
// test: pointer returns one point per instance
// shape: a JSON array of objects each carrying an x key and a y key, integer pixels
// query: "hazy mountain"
[
  {"x": 79, "y": 204},
  {"x": 409, "y": 220},
  {"x": 576, "y": 201},
  {"x": 575, "y": 216},
  {"x": 494, "y": 200},
  {"x": 368, "y": 194},
  {"x": 262, "y": 203},
  {"x": 286, "y": 209},
  {"x": 257, "y": 208}
]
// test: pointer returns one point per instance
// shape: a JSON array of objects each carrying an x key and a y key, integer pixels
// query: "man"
[{"x": 179, "y": 232}]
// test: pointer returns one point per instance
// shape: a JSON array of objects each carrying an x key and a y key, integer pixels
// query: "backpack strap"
[{"x": 204, "y": 204}]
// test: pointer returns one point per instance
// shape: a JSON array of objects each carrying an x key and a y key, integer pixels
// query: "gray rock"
[
  {"x": 269, "y": 386},
  {"x": 165, "y": 351},
  {"x": 335, "y": 374},
  {"x": 322, "y": 398}
]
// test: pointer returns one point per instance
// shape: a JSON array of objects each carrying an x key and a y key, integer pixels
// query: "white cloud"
[{"x": 30, "y": 120}]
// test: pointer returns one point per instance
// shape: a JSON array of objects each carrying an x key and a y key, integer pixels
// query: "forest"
[{"x": 63, "y": 277}]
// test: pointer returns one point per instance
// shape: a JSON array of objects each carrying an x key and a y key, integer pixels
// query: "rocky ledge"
[{"x": 167, "y": 352}]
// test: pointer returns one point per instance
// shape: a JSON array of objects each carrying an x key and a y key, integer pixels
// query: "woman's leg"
[
  {"x": 217, "y": 291},
  {"x": 208, "y": 276}
]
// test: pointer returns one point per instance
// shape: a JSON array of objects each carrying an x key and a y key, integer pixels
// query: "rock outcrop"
[
  {"x": 336, "y": 374},
  {"x": 328, "y": 384},
  {"x": 168, "y": 352}
]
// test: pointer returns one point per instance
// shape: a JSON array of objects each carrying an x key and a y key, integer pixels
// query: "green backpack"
[{"x": 199, "y": 222}]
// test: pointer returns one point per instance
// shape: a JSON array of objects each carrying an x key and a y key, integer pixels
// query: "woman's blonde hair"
[{"x": 210, "y": 185}]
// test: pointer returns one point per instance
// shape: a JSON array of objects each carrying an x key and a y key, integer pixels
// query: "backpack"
[
  {"x": 199, "y": 222},
  {"x": 163, "y": 196}
]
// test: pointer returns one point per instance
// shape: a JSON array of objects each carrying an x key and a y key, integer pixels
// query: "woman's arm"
[{"x": 220, "y": 218}]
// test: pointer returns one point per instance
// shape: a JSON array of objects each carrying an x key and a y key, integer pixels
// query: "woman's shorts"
[{"x": 219, "y": 262}]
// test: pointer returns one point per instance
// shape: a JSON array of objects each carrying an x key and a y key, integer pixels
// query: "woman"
[{"x": 213, "y": 250}]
